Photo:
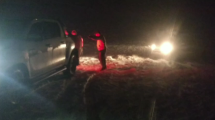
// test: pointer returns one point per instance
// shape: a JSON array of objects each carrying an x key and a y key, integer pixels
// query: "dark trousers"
[
  {"x": 102, "y": 58},
  {"x": 75, "y": 53}
]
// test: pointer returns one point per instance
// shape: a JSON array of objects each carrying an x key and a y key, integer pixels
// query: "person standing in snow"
[
  {"x": 101, "y": 46},
  {"x": 78, "y": 40}
]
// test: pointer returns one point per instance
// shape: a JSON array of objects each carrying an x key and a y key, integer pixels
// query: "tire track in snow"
[
  {"x": 71, "y": 97},
  {"x": 85, "y": 85}
]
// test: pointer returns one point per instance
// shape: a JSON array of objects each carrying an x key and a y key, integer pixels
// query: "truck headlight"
[{"x": 166, "y": 48}]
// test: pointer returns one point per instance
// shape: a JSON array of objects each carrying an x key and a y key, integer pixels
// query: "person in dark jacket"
[
  {"x": 101, "y": 46},
  {"x": 77, "y": 51}
]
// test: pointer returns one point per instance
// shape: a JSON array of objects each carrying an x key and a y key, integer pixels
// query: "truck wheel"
[{"x": 71, "y": 67}]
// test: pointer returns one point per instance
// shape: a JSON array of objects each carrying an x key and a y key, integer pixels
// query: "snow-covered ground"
[
  {"x": 185, "y": 53},
  {"x": 125, "y": 89},
  {"x": 120, "y": 61},
  {"x": 134, "y": 82},
  {"x": 133, "y": 61}
]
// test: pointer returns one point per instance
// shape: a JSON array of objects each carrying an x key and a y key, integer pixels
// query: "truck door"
[
  {"x": 40, "y": 53},
  {"x": 54, "y": 37}
]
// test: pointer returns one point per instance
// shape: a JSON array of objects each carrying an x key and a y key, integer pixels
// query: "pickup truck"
[{"x": 34, "y": 49}]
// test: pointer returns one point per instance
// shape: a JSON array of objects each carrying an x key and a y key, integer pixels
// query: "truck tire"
[{"x": 71, "y": 66}]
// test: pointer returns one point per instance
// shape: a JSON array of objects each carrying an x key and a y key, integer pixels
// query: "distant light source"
[
  {"x": 166, "y": 48},
  {"x": 153, "y": 47}
]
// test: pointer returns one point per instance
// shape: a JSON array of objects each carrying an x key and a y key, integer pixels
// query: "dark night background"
[{"x": 127, "y": 20}]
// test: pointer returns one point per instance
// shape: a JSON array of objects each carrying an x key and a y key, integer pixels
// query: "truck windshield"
[{"x": 12, "y": 29}]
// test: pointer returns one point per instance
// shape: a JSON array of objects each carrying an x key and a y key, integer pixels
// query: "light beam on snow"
[{"x": 114, "y": 62}]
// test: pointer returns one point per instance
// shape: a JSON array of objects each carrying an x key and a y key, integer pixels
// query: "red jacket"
[{"x": 101, "y": 42}]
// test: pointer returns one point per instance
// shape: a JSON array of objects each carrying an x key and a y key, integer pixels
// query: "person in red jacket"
[
  {"x": 78, "y": 40},
  {"x": 101, "y": 46}
]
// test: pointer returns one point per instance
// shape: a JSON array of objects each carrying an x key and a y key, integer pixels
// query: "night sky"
[{"x": 136, "y": 20}]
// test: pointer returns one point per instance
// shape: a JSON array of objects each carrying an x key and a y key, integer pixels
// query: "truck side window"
[
  {"x": 51, "y": 30},
  {"x": 35, "y": 32}
]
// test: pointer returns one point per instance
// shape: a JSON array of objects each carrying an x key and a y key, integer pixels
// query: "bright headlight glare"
[
  {"x": 153, "y": 47},
  {"x": 166, "y": 48}
]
